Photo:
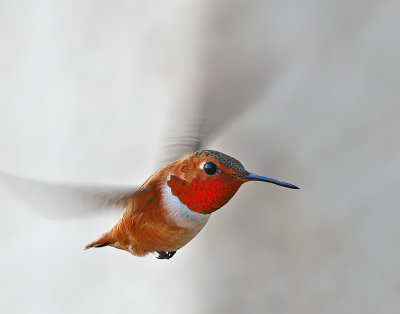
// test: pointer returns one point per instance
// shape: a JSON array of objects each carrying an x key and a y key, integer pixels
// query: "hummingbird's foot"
[{"x": 165, "y": 255}]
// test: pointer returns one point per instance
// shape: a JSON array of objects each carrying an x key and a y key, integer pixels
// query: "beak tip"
[
  {"x": 256, "y": 177},
  {"x": 290, "y": 186}
]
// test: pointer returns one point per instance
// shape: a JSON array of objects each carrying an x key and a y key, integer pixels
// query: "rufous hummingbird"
[{"x": 175, "y": 203}]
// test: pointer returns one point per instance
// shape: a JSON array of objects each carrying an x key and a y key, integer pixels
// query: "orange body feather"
[{"x": 146, "y": 226}]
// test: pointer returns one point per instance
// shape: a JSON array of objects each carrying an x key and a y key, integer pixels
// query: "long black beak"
[{"x": 256, "y": 177}]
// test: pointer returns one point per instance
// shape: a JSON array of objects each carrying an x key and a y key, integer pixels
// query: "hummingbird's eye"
[{"x": 210, "y": 168}]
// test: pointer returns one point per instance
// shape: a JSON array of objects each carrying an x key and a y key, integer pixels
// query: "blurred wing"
[
  {"x": 58, "y": 200},
  {"x": 235, "y": 72}
]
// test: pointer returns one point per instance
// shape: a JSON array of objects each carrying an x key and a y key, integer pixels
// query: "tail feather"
[{"x": 104, "y": 240}]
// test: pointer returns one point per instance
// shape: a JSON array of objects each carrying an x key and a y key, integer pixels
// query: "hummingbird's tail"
[{"x": 104, "y": 240}]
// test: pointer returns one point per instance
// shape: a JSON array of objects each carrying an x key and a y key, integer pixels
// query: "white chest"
[{"x": 182, "y": 215}]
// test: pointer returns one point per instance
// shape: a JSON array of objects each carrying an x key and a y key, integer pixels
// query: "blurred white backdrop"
[{"x": 86, "y": 91}]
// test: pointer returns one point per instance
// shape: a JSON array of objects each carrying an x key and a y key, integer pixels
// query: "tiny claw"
[
  {"x": 162, "y": 255},
  {"x": 165, "y": 255}
]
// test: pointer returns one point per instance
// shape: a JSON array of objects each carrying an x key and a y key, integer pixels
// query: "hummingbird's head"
[{"x": 206, "y": 180}]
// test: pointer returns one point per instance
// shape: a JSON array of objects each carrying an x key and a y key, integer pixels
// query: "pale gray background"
[{"x": 86, "y": 88}]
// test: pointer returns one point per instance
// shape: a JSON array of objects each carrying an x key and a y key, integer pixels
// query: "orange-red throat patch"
[{"x": 204, "y": 196}]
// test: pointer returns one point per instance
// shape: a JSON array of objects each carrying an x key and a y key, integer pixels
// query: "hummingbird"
[{"x": 176, "y": 202}]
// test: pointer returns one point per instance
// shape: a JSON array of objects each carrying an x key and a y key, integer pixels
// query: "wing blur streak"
[
  {"x": 227, "y": 83},
  {"x": 58, "y": 200}
]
